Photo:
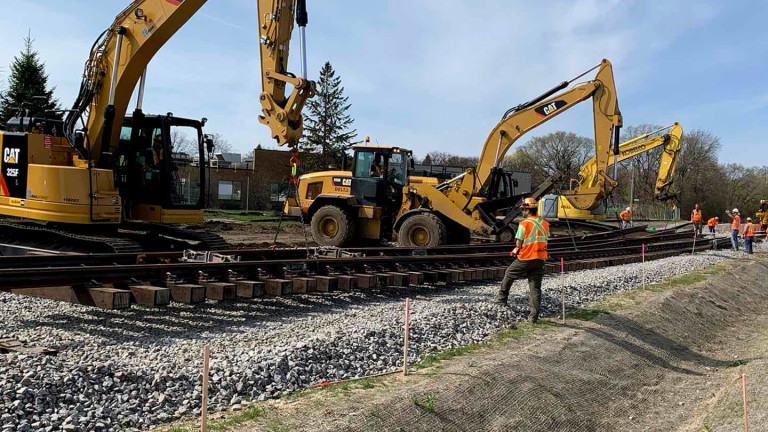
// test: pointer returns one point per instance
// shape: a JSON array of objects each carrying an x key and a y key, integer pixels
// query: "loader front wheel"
[
  {"x": 422, "y": 230},
  {"x": 332, "y": 226}
]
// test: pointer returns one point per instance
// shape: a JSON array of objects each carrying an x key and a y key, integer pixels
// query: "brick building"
[{"x": 257, "y": 184}]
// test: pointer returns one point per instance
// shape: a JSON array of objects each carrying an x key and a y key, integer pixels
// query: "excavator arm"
[
  {"x": 282, "y": 114},
  {"x": 120, "y": 56},
  {"x": 522, "y": 118},
  {"x": 118, "y": 59},
  {"x": 634, "y": 147}
]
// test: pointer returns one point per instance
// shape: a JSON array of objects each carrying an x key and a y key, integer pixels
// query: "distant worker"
[
  {"x": 626, "y": 218},
  {"x": 697, "y": 219},
  {"x": 531, "y": 252},
  {"x": 735, "y": 225},
  {"x": 749, "y": 235},
  {"x": 712, "y": 224}
]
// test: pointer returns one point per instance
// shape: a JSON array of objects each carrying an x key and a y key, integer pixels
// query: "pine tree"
[
  {"x": 327, "y": 125},
  {"x": 28, "y": 79}
]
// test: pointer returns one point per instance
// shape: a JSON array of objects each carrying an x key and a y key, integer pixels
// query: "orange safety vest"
[
  {"x": 736, "y": 222},
  {"x": 712, "y": 222},
  {"x": 696, "y": 216},
  {"x": 535, "y": 237},
  {"x": 750, "y": 230},
  {"x": 626, "y": 215}
]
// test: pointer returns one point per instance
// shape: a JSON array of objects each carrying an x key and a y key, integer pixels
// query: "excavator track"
[
  {"x": 130, "y": 238},
  {"x": 44, "y": 235},
  {"x": 202, "y": 240}
]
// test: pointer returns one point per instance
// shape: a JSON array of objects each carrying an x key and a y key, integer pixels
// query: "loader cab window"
[
  {"x": 397, "y": 168},
  {"x": 364, "y": 164}
]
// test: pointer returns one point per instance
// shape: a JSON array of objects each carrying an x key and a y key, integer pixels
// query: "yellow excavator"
[
  {"x": 101, "y": 168},
  {"x": 561, "y": 207},
  {"x": 379, "y": 198}
]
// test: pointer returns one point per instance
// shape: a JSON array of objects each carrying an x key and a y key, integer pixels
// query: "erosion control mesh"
[{"x": 637, "y": 371}]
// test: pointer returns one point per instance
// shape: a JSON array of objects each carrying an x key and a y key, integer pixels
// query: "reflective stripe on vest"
[
  {"x": 750, "y": 231},
  {"x": 736, "y": 222},
  {"x": 535, "y": 240}
]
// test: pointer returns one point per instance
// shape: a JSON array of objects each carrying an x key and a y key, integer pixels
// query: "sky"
[{"x": 436, "y": 75}]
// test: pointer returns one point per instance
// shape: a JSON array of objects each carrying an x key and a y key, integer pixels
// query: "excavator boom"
[
  {"x": 634, "y": 147},
  {"x": 521, "y": 119},
  {"x": 116, "y": 62}
]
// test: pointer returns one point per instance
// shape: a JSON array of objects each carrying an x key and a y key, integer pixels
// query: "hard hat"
[
  {"x": 749, "y": 219},
  {"x": 629, "y": 208},
  {"x": 735, "y": 210},
  {"x": 529, "y": 203},
  {"x": 717, "y": 218}
]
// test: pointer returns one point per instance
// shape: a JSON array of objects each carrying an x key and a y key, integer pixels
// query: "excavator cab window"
[{"x": 152, "y": 153}]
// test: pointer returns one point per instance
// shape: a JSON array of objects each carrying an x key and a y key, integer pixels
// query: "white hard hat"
[
  {"x": 629, "y": 208},
  {"x": 735, "y": 210}
]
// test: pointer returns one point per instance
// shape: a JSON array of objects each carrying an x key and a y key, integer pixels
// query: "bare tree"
[
  {"x": 221, "y": 145},
  {"x": 563, "y": 152}
]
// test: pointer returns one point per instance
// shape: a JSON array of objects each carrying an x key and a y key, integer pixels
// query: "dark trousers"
[
  {"x": 711, "y": 230},
  {"x": 748, "y": 244},
  {"x": 697, "y": 228},
  {"x": 534, "y": 271}
]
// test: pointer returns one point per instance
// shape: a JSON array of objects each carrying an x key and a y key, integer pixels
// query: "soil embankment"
[{"x": 667, "y": 362}]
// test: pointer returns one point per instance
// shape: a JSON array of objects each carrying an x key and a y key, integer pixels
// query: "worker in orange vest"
[
  {"x": 749, "y": 235},
  {"x": 626, "y": 218},
  {"x": 531, "y": 252},
  {"x": 712, "y": 224},
  {"x": 735, "y": 225},
  {"x": 697, "y": 219}
]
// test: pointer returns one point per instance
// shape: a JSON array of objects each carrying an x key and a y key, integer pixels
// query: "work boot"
[
  {"x": 533, "y": 319},
  {"x": 500, "y": 302}
]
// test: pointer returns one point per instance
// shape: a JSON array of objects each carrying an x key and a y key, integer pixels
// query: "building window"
[
  {"x": 278, "y": 192},
  {"x": 230, "y": 190}
]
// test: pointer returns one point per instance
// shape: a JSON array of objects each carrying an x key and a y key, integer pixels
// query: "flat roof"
[{"x": 373, "y": 146}]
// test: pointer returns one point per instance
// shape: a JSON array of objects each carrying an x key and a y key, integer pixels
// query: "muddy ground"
[{"x": 664, "y": 360}]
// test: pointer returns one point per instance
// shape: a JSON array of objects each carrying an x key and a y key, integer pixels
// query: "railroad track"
[{"x": 117, "y": 280}]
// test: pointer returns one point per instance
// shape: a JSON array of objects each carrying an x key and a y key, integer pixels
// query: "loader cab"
[
  {"x": 379, "y": 175},
  {"x": 155, "y": 172}
]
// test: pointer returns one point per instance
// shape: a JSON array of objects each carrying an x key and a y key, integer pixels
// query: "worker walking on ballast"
[
  {"x": 735, "y": 225},
  {"x": 531, "y": 252},
  {"x": 749, "y": 235},
  {"x": 697, "y": 219}
]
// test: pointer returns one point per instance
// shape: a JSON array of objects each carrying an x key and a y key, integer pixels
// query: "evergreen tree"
[
  {"x": 327, "y": 125},
  {"x": 28, "y": 79}
]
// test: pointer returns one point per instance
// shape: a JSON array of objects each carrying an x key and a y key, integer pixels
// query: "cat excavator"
[
  {"x": 379, "y": 198},
  {"x": 561, "y": 206},
  {"x": 109, "y": 180}
]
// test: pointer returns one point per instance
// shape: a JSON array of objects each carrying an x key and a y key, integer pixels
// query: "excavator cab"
[
  {"x": 147, "y": 168},
  {"x": 379, "y": 174}
]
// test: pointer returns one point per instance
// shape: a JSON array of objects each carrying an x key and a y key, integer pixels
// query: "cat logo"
[
  {"x": 550, "y": 108},
  {"x": 11, "y": 155}
]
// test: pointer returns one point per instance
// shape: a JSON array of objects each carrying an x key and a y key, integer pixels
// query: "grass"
[
  {"x": 243, "y": 216},
  {"x": 427, "y": 405},
  {"x": 224, "y": 424}
]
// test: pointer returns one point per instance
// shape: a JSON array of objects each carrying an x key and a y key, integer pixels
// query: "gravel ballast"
[{"x": 132, "y": 369}]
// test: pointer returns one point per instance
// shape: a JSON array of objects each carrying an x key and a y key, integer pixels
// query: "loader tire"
[
  {"x": 332, "y": 226},
  {"x": 422, "y": 230}
]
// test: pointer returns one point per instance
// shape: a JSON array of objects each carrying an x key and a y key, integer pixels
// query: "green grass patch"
[
  {"x": 428, "y": 404},
  {"x": 737, "y": 363},
  {"x": 227, "y": 423},
  {"x": 587, "y": 314}
]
